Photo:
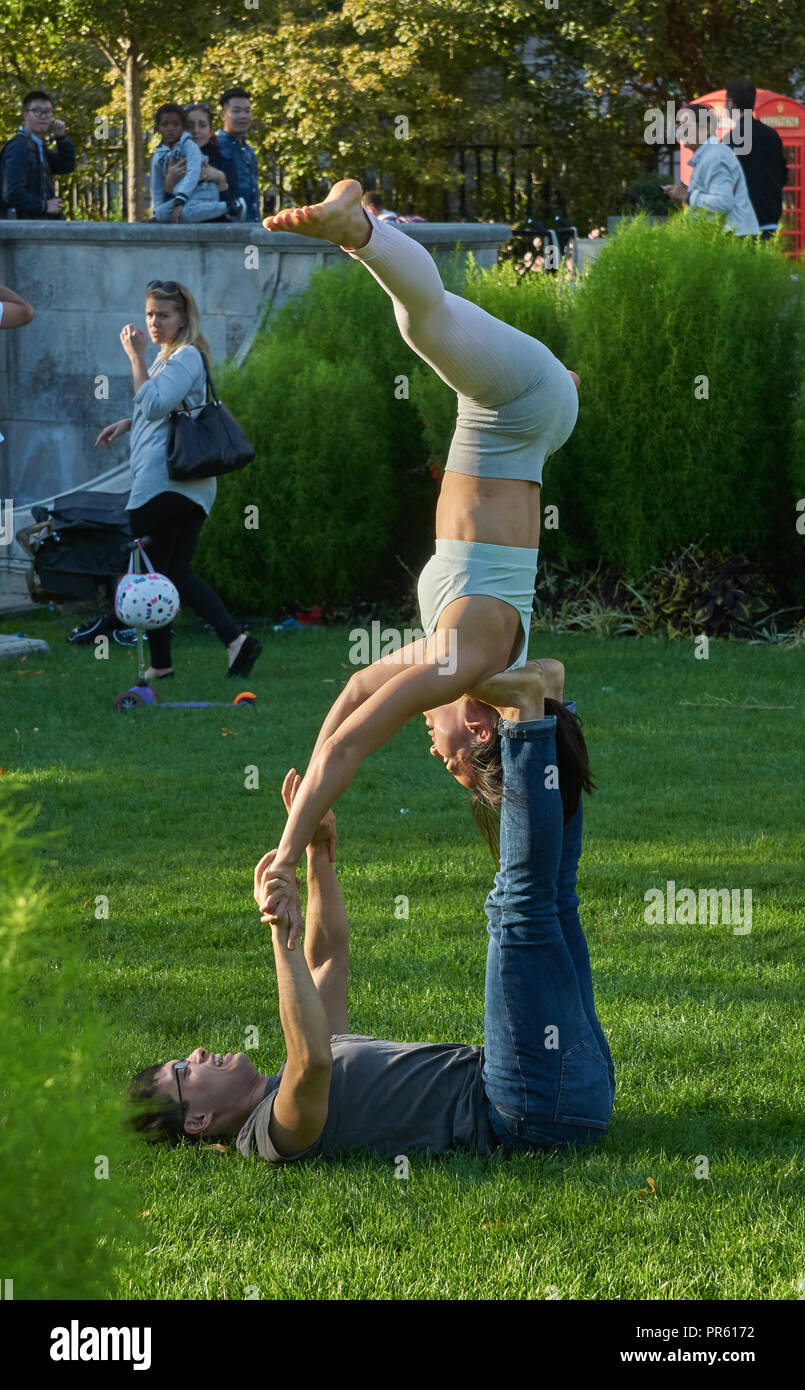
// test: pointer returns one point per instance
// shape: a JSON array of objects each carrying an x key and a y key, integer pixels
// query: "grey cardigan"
[{"x": 171, "y": 380}]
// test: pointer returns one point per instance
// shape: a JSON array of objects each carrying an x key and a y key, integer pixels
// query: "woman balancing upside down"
[{"x": 517, "y": 405}]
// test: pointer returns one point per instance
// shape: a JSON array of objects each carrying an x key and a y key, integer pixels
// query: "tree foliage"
[{"x": 331, "y": 79}]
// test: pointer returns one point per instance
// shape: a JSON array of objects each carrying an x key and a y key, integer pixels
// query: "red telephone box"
[{"x": 787, "y": 117}]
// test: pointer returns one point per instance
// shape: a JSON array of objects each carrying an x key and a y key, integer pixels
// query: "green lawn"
[{"x": 705, "y": 1026}]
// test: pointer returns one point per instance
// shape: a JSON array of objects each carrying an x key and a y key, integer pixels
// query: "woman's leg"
[
  {"x": 545, "y": 1076},
  {"x": 194, "y": 592},
  {"x": 155, "y": 519},
  {"x": 366, "y": 681},
  {"x": 476, "y": 354},
  {"x": 174, "y": 522}
]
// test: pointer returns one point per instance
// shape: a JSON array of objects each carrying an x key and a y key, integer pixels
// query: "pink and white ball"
[{"x": 146, "y": 600}]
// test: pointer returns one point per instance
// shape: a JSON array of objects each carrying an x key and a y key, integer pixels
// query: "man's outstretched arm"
[
  {"x": 300, "y": 1108},
  {"x": 327, "y": 936},
  {"x": 326, "y": 924}
]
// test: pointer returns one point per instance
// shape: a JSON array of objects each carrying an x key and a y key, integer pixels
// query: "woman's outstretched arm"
[
  {"x": 407, "y": 693},
  {"x": 365, "y": 682}
]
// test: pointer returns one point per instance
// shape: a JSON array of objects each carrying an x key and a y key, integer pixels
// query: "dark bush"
[
  {"x": 699, "y": 590},
  {"x": 695, "y": 590},
  {"x": 646, "y": 195}
]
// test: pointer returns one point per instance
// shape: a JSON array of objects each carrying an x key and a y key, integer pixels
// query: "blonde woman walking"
[{"x": 172, "y": 513}]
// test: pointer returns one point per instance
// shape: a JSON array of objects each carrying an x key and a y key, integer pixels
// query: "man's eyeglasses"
[
  {"x": 169, "y": 286},
  {"x": 179, "y": 1067},
  {"x": 40, "y": 111}
]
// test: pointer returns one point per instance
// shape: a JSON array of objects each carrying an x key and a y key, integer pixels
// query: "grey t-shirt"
[
  {"x": 391, "y": 1097},
  {"x": 172, "y": 380}
]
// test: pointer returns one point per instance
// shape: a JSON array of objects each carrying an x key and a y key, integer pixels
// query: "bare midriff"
[{"x": 494, "y": 511}]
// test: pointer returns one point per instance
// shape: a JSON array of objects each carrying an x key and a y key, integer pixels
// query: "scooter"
[{"x": 141, "y": 693}]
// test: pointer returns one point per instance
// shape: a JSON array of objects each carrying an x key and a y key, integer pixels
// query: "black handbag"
[{"x": 207, "y": 444}]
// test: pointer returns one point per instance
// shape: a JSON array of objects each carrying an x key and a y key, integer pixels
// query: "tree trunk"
[{"x": 134, "y": 137}]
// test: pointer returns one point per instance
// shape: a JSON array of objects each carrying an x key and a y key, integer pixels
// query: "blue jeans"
[
  {"x": 567, "y": 907},
  {"x": 548, "y": 1080}
]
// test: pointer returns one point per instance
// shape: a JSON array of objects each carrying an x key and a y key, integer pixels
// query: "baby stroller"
[{"x": 79, "y": 548}]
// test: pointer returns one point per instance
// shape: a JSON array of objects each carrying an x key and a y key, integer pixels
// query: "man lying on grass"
[{"x": 541, "y": 1080}]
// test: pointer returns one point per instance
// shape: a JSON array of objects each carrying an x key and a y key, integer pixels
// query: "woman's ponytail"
[
  {"x": 571, "y": 756},
  {"x": 573, "y": 765}
]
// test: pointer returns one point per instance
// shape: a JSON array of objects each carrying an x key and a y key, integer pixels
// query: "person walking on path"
[
  {"x": 717, "y": 183},
  {"x": 172, "y": 513}
]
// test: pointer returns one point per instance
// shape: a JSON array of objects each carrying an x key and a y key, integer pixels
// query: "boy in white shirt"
[{"x": 192, "y": 199}]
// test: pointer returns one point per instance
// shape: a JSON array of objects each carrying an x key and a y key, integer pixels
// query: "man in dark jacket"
[
  {"x": 236, "y": 118},
  {"x": 760, "y": 151},
  {"x": 27, "y": 165}
]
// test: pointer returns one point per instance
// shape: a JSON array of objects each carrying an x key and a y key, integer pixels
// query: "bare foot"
[
  {"x": 554, "y": 674},
  {"x": 516, "y": 695},
  {"x": 154, "y": 672},
  {"x": 339, "y": 219}
]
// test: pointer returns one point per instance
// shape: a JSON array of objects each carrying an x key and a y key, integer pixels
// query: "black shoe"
[
  {"x": 246, "y": 657},
  {"x": 102, "y": 626}
]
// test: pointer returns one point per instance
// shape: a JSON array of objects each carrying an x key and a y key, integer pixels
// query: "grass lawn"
[{"x": 705, "y": 1025}]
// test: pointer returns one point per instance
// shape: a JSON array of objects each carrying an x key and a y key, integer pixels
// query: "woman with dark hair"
[
  {"x": 503, "y": 697},
  {"x": 475, "y": 717},
  {"x": 517, "y": 404},
  {"x": 539, "y": 990},
  {"x": 217, "y": 168},
  {"x": 192, "y": 197},
  {"x": 172, "y": 513}
]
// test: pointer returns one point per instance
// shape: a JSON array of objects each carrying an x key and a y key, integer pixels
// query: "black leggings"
[{"x": 174, "y": 522}]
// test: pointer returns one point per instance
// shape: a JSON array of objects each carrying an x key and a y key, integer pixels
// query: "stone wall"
[{"x": 86, "y": 280}]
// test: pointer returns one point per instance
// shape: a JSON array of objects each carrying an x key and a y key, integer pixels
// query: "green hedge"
[
  {"x": 62, "y": 1228},
  {"x": 338, "y": 444},
  {"x": 651, "y": 467},
  {"x": 340, "y": 477}
]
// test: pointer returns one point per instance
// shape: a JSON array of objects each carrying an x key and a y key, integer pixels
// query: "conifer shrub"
[{"x": 689, "y": 346}]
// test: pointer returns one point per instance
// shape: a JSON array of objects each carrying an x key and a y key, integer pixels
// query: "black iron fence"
[{"x": 497, "y": 182}]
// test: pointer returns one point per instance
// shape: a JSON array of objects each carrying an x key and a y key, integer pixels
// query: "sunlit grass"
[{"x": 705, "y": 1026}]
